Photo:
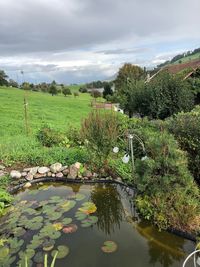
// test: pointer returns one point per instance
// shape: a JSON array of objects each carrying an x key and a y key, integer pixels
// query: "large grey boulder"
[
  {"x": 73, "y": 172},
  {"x": 43, "y": 170},
  {"x": 15, "y": 174},
  {"x": 56, "y": 167}
]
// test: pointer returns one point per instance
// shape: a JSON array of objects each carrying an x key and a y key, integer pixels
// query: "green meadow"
[{"x": 57, "y": 111}]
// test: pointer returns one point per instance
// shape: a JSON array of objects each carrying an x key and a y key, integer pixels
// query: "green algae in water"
[{"x": 86, "y": 226}]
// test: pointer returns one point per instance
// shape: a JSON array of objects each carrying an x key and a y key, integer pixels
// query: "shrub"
[
  {"x": 186, "y": 129},
  {"x": 66, "y": 91},
  {"x": 49, "y": 137},
  {"x": 76, "y": 94},
  {"x": 167, "y": 193},
  {"x": 74, "y": 136},
  {"x": 100, "y": 130},
  {"x": 95, "y": 93},
  {"x": 83, "y": 90}
]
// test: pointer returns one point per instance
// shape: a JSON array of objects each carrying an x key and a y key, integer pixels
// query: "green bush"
[
  {"x": 186, "y": 129},
  {"x": 49, "y": 137},
  {"x": 100, "y": 130},
  {"x": 167, "y": 193}
]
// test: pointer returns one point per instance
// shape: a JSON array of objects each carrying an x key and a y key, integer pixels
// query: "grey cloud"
[
  {"x": 124, "y": 51},
  {"x": 40, "y": 25}
]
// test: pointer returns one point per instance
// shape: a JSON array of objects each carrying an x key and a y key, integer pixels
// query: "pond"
[{"x": 86, "y": 226}]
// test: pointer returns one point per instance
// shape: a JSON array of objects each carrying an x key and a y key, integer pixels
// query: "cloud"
[{"x": 75, "y": 33}]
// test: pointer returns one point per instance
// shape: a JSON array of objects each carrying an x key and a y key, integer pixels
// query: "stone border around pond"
[{"x": 58, "y": 173}]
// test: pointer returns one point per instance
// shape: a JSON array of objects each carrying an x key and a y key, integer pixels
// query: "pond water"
[{"x": 76, "y": 220}]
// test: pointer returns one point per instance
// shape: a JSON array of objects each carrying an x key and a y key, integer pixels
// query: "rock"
[
  {"x": 15, "y": 174},
  {"x": 59, "y": 175},
  {"x": 27, "y": 185},
  {"x": 77, "y": 165},
  {"x": 53, "y": 175},
  {"x": 95, "y": 175},
  {"x": 73, "y": 172},
  {"x": 29, "y": 177},
  {"x": 27, "y": 169},
  {"x": 87, "y": 174},
  {"x": 56, "y": 167},
  {"x": 24, "y": 174},
  {"x": 39, "y": 175},
  {"x": 2, "y": 167},
  {"x": 49, "y": 174},
  {"x": 65, "y": 172},
  {"x": 43, "y": 170},
  {"x": 119, "y": 180},
  {"x": 33, "y": 170},
  {"x": 63, "y": 168},
  {"x": 2, "y": 173}
]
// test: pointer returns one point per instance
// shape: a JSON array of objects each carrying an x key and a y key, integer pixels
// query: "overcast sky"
[{"x": 75, "y": 41}]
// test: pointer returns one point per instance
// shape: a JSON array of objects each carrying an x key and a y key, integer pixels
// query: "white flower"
[
  {"x": 126, "y": 158},
  {"x": 116, "y": 149},
  {"x": 144, "y": 158}
]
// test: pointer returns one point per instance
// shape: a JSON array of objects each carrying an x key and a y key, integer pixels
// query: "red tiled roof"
[{"x": 179, "y": 67}]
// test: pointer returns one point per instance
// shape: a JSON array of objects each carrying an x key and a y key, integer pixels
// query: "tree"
[
  {"x": 26, "y": 86},
  {"x": 107, "y": 90},
  {"x": 13, "y": 83},
  {"x": 128, "y": 73},
  {"x": 3, "y": 78},
  {"x": 95, "y": 93},
  {"x": 53, "y": 89},
  {"x": 66, "y": 91}
]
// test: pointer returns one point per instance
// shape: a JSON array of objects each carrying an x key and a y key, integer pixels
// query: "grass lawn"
[
  {"x": 188, "y": 58},
  {"x": 58, "y": 111}
]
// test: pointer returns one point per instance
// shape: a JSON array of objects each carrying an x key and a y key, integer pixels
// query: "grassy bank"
[{"x": 59, "y": 111}]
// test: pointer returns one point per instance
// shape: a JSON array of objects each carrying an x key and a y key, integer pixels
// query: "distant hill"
[{"x": 182, "y": 58}]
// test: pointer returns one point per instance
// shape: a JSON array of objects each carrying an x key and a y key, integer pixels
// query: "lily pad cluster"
[{"x": 32, "y": 228}]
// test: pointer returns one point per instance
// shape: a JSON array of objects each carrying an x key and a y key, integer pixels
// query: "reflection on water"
[{"x": 110, "y": 211}]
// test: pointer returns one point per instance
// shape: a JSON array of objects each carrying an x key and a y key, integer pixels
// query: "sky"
[{"x": 78, "y": 41}]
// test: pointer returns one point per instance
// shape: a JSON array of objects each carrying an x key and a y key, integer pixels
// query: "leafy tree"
[
  {"x": 53, "y": 89},
  {"x": 95, "y": 93},
  {"x": 107, "y": 90},
  {"x": 13, "y": 83},
  {"x": 66, "y": 91},
  {"x": 168, "y": 95},
  {"x": 26, "y": 86},
  {"x": 3, "y": 78},
  {"x": 128, "y": 73}
]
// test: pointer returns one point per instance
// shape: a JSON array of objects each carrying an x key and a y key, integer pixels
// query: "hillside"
[{"x": 182, "y": 58}]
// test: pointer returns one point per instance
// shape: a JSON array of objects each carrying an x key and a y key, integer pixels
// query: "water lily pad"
[
  {"x": 15, "y": 245},
  {"x": 30, "y": 211},
  {"x": 69, "y": 229},
  {"x": 48, "y": 245},
  {"x": 39, "y": 257},
  {"x": 67, "y": 205},
  {"x": 88, "y": 208},
  {"x": 55, "y": 216},
  {"x": 4, "y": 251},
  {"x": 66, "y": 221},
  {"x": 55, "y": 199},
  {"x": 90, "y": 220},
  {"x": 78, "y": 196},
  {"x": 58, "y": 226},
  {"x": 109, "y": 247},
  {"x": 19, "y": 231},
  {"x": 63, "y": 251},
  {"x": 80, "y": 215}
]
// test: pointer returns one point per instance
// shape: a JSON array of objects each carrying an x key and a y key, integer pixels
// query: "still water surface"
[{"x": 139, "y": 244}]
